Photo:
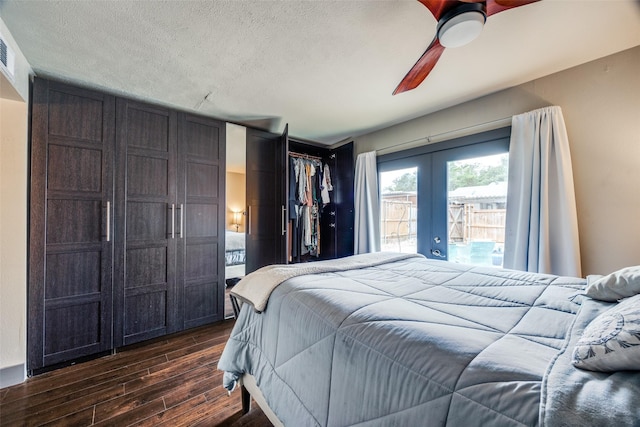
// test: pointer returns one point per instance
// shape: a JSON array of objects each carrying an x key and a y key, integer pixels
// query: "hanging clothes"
[
  {"x": 306, "y": 187},
  {"x": 325, "y": 185}
]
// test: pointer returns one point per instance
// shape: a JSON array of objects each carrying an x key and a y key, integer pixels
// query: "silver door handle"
[
  {"x": 181, "y": 220},
  {"x": 173, "y": 220},
  {"x": 284, "y": 227},
  {"x": 108, "y": 221},
  {"x": 249, "y": 219}
]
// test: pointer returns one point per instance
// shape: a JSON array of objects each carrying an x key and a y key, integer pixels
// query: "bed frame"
[{"x": 249, "y": 388}]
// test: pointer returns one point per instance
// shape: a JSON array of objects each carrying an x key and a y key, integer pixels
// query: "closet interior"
[
  {"x": 320, "y": 202},
  {"x": 291, "y": 216}
]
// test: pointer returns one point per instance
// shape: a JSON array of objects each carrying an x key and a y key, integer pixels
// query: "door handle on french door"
[
  {"x": 108, "y": 221},
  {"x": 181, "y": 220},
  {"x": 249, "y": 219},
  {"x": 436, "y": 252},
  {"x": 284, "y": 215}
]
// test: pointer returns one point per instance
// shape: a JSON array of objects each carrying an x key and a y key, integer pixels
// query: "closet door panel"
[
  {"x": 72, "y": 274},
  {"x": 149, "y": 221},
  {"x": 202, "y": 180},
  {"x": 149, "y": 176},
  {"x": 203, "y": 138},
  {"x": 81, "y": 323},
  {"x": 78, "y": 174},
  {"x": 145, "y": 313},
  {"x": 70, "y": 251},
  {"x": 76, "y": 221},
  {"x": 266, "y": 195},
  {"x": 146, "y": 202},
  {"x": 343, "y": 178},
  {"x": 194, "y": 268},
  {"x": 148, "y": 128},
  {"x": 146, "y": 265},
  {"x": 201, "y": 196},
  {"x": 201, "y": 221},
  {"x": 73, "y": 114},
  {"x": 202, "y": 301}
]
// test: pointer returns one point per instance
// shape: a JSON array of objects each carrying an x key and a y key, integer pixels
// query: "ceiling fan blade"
[
  {"x": 440, "y": 7},
  {"x": 422, "y": 68},
  {"x": 495, "y": 6}
]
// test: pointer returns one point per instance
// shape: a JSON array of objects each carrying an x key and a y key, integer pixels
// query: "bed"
[
  {"x": 234, "y": 254},
  {"x": 390, "y": 339}
]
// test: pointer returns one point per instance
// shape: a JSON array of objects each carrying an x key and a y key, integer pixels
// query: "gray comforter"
[
  {"x": 575, "y": 397},
  {"x": 408, "y": 343}
]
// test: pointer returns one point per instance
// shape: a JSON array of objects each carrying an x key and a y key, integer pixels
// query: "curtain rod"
[
  {"x": 493, "y": 124},
  {"x": 304, "y": 156}
]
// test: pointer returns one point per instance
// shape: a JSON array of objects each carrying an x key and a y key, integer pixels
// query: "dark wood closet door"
[
  {"x": 343, "y": 179},
  {"x": 266, "y": 195},
  {"x": 145, "y": 263},
  {"x": 201, "y": 215},
  {"x": 71, "y": 228}
]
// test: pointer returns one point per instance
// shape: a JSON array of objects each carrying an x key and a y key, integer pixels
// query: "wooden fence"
[
  {"x": 398, "y": 220},
  {"x": 466, "y": 224}
]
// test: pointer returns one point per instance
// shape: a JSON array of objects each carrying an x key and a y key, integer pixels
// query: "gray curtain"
[
  {"x": 541, "y": 232},
  {"x": 367, "y": 206}
]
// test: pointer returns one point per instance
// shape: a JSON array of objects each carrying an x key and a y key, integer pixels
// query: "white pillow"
[
  {"x": 611, "y": 342},
  {"x": 615, "y": 286}
]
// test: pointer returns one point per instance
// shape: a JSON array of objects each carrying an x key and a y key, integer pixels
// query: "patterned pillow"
[
  {"x": 615, "y": 286},
  {"x": 611, "y": 342}
]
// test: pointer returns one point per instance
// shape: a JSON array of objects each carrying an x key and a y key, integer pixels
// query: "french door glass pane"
[
  {"x": 399, "y": 210},
  {"x": 476, "y": 200}
]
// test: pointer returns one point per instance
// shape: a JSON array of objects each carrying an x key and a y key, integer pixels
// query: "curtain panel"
[
  {"x": 367, "y": 206},
  {"x": 541, "y": 232}
]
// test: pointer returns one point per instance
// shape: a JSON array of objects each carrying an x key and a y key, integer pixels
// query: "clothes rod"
[
  {"x": 467, "y": 130},
  {"x": 304, "y": 156}
]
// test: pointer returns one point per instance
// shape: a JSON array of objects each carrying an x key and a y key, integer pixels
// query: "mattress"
[{"x": 406, "y": 341}]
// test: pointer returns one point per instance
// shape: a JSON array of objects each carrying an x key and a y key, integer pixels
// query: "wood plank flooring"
[{"x": 171, "y": 381}]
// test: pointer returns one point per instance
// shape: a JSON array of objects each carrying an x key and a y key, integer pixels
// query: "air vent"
[{"x": 7, "y": 58}]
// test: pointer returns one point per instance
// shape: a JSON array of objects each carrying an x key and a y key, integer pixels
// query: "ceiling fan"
[{"x": 459, "y": 22}]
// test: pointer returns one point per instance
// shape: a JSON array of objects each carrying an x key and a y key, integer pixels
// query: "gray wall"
[{"x": 600, "y": 101}]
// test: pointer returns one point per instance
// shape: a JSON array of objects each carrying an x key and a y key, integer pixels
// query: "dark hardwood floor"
[{"x": 171, "y": 381}]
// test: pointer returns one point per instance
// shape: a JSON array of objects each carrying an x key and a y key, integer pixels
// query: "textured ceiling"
[{"x": 327, "y": 68}]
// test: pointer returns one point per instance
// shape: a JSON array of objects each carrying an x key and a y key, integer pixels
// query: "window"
[{"x": 399, "y": 210}]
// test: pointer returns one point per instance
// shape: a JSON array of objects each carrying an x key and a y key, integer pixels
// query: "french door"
[{"x": 447, "y": 200}]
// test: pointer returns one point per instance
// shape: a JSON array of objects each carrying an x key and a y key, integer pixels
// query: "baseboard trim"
[{"x": 12, "y": 375}]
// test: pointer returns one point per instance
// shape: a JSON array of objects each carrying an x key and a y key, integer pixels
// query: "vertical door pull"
[
  {"x": 249, "y": 220},
  {"x": 173, "y": 220},
  {"x": 181, "y": 220},
  {"x": 284, "y": 225},
  {"x": 108, "y": 221}
]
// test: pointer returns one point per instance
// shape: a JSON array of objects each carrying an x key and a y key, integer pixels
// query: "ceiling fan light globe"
[{"x": 461, "y": 29}]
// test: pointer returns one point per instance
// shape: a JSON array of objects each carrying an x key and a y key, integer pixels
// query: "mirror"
[{"x": 235, "y": 221}]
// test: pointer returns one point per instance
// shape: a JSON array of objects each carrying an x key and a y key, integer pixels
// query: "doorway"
[{"x": 447, "y": 200}]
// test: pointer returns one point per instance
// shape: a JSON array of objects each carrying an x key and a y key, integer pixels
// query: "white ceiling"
[{"x": 327, "y": 68}]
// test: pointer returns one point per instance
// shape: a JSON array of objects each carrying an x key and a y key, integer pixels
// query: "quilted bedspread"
[{"x": 413, "y": 342}]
